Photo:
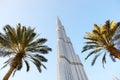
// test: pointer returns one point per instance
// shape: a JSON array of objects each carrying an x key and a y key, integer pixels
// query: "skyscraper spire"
[
  {"x": 58, "y": 22},
  {"x": 69, "y": 64}
]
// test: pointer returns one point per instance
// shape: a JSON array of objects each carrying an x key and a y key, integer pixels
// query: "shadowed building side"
[{"x": 69, "y": 66}]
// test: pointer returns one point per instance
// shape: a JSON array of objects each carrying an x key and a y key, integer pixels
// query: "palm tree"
[
  {"x": 20, "y": 45},
  {"x": 104, "y": 40}
]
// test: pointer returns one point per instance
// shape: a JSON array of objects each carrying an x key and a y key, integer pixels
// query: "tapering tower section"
[{"x": 69, "y": 66}]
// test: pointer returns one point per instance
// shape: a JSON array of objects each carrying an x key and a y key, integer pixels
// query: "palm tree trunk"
[
  {"x": 6, "y": 77},
  {"x": 115, "y": 52},
  {"x": 17, "y": 60}
]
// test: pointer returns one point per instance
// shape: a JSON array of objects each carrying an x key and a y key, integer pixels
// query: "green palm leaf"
[
  {"x": 7, "y": 63},
  {"x": 40, "y": 58},
  {"x": 104, "y": 59},
  {"x": 27, "y": 65},
  {"x": 37, "y": 63},
  {"x": 88, "y": 47},
  {"x": 44, "y": 66},
  {"x": 94, "y": 59},
  {"x": 93, "y": 52}
]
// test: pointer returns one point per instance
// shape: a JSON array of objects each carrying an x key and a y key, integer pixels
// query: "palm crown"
[
  {"x": 103, "y": 39},
  {"x": 20, "y": 45}
]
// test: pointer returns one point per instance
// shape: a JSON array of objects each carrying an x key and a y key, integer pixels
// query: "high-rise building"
[{"x": 69, "y": 66}]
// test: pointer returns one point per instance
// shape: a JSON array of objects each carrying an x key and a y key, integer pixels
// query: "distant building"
[{"x": 69, "y": 64}]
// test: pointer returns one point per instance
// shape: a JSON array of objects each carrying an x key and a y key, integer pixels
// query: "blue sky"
[{"x": 77, "y": 16}]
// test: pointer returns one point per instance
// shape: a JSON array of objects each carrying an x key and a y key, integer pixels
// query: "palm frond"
[
  {"x": 19, "y": 66},
  {"x": 38, "y": 42},
  {"x": 118, "y": 24},
  {"x": 4, "y": 66},
  {"x": 45, "y": 50},
  {"x": 40, "y": 58},
  {"x": 88, "y": 47},
  {"x": 112, "y": 58},
  {"x": 14, "y": 72},
  {"x": 116, "y": 35},
  {"x": 4, "y": 41},
  {"x": 112, "y": 25},
  {"x": 105, "y": 31},
  {"x": 104, "y": 59},
  {"x": 11, "y": 33},
  {"x": 107, "y": 26},
  {"x": 96, "y": 27},
  {"x": 94, "y": 59},
  {"x": 6, "y": 63},
  {"x": 39, "y": 49},
  {"x": 96, "y": 37},
  {"x": 44, "y": 66},
  {"x": 96, "y": 33},
  {"x": 91, "y": 39},
  {"x": 27, "y": 65},
  {"x": 91, "y": 42},
  {"x": 116, "y": 38},
  {"x": 93, "y": 52},
  {"x": 4, "y": 52},
  {"x": 20, "y": 32},
  {"x": 29, "y": 35},
  {"x": 36, "y": 62}
]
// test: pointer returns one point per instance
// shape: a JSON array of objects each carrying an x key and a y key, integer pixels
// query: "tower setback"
[{"x": 69, "y": 66}]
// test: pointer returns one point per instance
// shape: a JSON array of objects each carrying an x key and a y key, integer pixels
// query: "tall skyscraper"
[{"x": 69, "y": 64}]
